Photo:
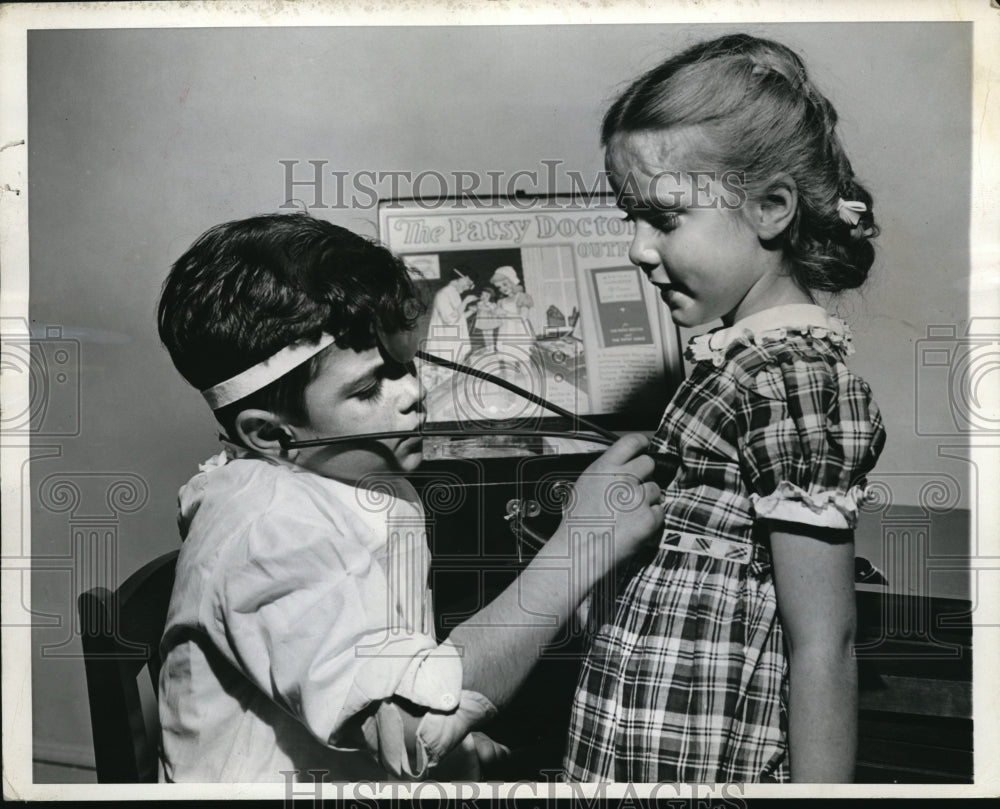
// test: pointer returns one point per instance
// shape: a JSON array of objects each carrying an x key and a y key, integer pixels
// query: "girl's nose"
[{"x": 642, "y": 251}]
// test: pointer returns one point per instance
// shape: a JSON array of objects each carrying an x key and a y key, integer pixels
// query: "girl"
[
  {"x": 514, "y": 333},
  {"x": 513, "y": 306},
  {"x": 728, "y": 656}
]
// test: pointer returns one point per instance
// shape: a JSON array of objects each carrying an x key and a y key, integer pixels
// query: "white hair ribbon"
[
  {"x": 850, "y": 211},
  {"x": 263, "y": 373}
]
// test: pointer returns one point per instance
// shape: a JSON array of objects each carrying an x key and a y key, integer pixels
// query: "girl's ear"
[
  {"x": 263, "y": 431},
  {"x": 775, "y": 210}
]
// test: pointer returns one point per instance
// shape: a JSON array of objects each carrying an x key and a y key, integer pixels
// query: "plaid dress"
[{"x": 686, "y": 677}]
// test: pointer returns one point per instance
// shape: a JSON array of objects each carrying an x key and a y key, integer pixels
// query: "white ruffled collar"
[{"x": 772, "y": 324}]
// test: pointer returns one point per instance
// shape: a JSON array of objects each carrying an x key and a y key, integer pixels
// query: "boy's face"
[{"x": 360, "y": 392}]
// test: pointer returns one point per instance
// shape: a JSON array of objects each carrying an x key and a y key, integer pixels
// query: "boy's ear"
[
  {"x": 263, "y": 431},
  {"x": 775, "y": 209}
]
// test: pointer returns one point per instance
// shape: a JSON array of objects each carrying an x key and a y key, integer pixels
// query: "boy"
[{"x": 299, "y": 635}]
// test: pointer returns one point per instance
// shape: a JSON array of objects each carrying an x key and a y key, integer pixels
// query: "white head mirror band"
[{"x": 263, "y": 373}]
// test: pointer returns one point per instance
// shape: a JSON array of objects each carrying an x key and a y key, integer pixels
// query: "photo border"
[{"x": 16, "y": 20}]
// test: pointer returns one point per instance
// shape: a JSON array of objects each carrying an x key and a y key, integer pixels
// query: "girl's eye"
[{"x": 663, "y": 220}]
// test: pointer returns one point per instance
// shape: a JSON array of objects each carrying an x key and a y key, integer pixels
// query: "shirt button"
[{"x": 448, "y": 700}]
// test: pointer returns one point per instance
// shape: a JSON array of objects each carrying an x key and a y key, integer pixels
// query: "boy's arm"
[
  {"x": 501, "y": 644},
  {"x": 613, "y": 512},
  {"x": 276, "y": 580}
]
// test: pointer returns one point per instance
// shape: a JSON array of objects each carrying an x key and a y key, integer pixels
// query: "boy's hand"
[
  {"x": 614, "y": 493},
  {"x": 609, "y": 513}
]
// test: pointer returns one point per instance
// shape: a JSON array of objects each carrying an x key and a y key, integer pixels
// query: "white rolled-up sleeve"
[{"x": 310, "y": 619}]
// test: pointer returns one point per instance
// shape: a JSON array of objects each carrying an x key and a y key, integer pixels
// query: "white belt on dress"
[{"x": 730, "y": 550}]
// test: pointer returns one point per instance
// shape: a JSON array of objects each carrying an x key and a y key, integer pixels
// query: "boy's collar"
[
  {"x": 230, "y": 452},
  {"x": 398, "y": 483}
]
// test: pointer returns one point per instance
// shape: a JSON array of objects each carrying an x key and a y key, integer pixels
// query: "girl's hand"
[{"x": 614, "y": 498}]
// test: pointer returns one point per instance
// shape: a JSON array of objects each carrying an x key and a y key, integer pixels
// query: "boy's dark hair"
[{"x": 246, "y": 289}]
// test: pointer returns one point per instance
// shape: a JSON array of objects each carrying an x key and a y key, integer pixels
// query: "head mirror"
[{"x": 401, "y": 345}]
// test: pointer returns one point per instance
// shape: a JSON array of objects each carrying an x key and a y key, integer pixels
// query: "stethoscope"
[
  {"x": 598, "y": 434},
  {"x": 402, "y": 347}
]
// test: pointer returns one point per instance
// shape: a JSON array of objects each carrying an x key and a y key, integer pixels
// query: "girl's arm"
[
  {"x": 524, "y": 303},
  {"x": 814, "y": 584}
]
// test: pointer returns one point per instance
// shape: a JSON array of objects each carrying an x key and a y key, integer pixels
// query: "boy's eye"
[{"x": 370, "y": 392}]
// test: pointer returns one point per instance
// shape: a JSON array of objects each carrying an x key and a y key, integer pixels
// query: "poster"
[{"x": 537, "y": 291}]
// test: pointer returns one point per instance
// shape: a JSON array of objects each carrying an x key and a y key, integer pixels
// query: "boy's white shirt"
[{"x": 301, "y": 607}]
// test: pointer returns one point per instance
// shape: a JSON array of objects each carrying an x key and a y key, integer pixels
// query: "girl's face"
[
  {"x": 504, "y": 286},
  {"x": 705, "y": 259},
  {"x": 357, "y": 392}
]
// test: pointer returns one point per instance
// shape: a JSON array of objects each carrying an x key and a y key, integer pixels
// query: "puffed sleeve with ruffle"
[{"x": 810, "y": 432}]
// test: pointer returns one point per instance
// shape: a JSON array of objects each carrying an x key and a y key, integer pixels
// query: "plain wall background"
[{"x": 141, "y": 139}]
